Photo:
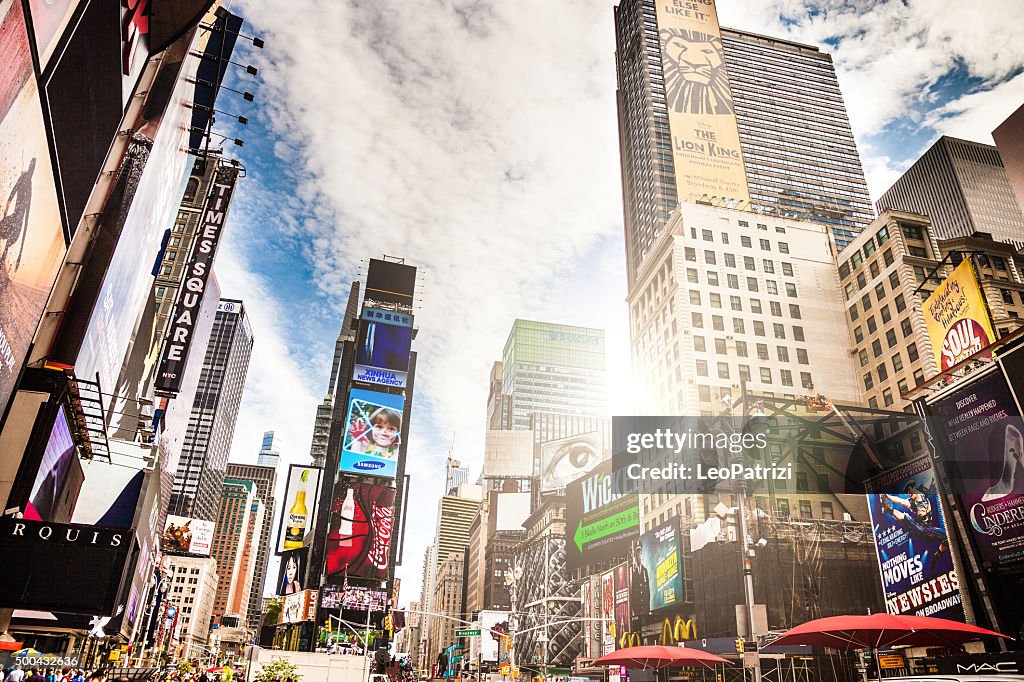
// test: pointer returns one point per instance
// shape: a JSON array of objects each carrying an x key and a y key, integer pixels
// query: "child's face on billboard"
[{"x": 384, "y": 433}]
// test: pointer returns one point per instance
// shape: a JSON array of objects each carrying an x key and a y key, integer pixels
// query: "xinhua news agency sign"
[{"x": 193, "y": 286}]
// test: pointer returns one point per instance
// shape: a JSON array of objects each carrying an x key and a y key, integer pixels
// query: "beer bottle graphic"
[{"x": 295, "y": 529}]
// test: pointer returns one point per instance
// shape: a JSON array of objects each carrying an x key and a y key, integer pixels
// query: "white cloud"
[
  {"x": 974, "y": 116},
  {"x": 479, "y": 141}
]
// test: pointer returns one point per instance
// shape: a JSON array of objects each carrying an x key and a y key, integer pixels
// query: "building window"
[
  {"x": 876, "y": 348},
  {"x": 709, "y": 258},
  {"x": 790, "y": 290},
  {"x": 748, "y": 263},
  {"x": 890, "y": 338},
  {"x": 702, "y": 368},
  {"x": 805, "y": 509},
  {"x": 718, "y": 323},
  {"x": 887, "y": 257},
  {"x": 853, "y": 313},
  {"x": 887, "y": 397},
  {"x": 741, "y": 348},
  {"x": 716, "y": 301},
  {"x": 733, "y": 281},
  {"x": 783, "y": 353},
  {"x": 827, "y": 512},
  {"x": 780, "y": 330},
  {"x": 713, "y": 279},
  {"x": 691, "y": 276},
  {"x": 798, "y": 333},
  {"x": 751, "y": 284},
  {"x": 755, "y": 306},
  {"x": 758, "y": 328},
  {"x": 736, "y": 303},
  {"x": 706, "y": 235},
  {"x": 745, "y": 372},
  {"x": 773, "y": 287},
  {"x": 897, "y": 362},
  {"x": 805, "y": 380},
  {"x": 766, "y": 375},
  {"x": 858, "y": 334},
  {"x": 765, "y": 245},
  {"x": 883, "y": 372},
  {"x": 694, "y": 297},
  {"x": 783, "y": 247},
  {"x": 884, "y": 312},
  {"x": 862, "y": 355},
  {"x": 738, "y": 326},
  {"x": 787, "y": 377},
  {"x": 794, "y": 311},
  {"x": 696, "y": 320},
  {"x": 869, "y": 379},
  {"x": 720, "y": 346},
  {"x": 768, "y": 266},
  {"x": 787, "y": 269},
  {"x": 698, "y": 344},
  {"x": 723, "y": 370},
  {"x": 801, "y": 356},
  {"x": 745, "y": 241},
  {"x": 912, "y": 352},
  {"x": 730, "y": 259}
]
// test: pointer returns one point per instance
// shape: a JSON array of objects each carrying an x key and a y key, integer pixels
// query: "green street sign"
[{"x": 467, "y": 633}]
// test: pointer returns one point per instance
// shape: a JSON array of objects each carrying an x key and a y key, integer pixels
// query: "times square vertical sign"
[{"x": 193, "y": 285}]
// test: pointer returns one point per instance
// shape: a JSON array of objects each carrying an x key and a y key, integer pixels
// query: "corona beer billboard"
[
  {"x": 701, "y": 116},
  {"x": 956, "y": 317}
]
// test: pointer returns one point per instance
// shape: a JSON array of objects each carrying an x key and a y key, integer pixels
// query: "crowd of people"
[{"x": 17, "y": 673}]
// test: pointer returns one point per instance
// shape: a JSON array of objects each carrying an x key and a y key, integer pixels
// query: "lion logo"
[{"x": 695, "y": 77}]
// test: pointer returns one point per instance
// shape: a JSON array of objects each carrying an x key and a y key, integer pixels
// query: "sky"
[{"x": 478, "y": 140}]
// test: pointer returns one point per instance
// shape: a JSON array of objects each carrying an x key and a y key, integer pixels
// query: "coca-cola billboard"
[{"x": 361, "y": 525}]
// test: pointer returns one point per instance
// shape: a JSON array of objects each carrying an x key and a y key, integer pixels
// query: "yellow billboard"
[
  {"x": 705, "y": 139},
  {"x": 957, "y": 318}
]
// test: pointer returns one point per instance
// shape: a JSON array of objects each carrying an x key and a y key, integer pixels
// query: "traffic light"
[{"x": 741, "y": 645}]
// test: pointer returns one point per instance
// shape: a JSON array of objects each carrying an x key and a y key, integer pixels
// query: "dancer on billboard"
[
  {"x": 1011, "y": 481},
  {"x": 916, "y": 515}
]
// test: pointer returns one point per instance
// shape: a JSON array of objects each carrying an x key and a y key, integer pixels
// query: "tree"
[
  {"x": 273, "y": 613},
  {"x": 278, "y": 670}
]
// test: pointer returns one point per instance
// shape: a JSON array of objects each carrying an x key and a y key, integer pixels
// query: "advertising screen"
[
  {"x": 359, "y": 534},
  {"x": 662, "y": 571},
  {"x": 607, "y": 612},
  {"x": 292, "y": 570},
  {"x": 31, "y": 231},
  {"x": 701, "y": 115},
  {"x": 601, "y": 523},
  {"x": 298, "y": 515},
  {"x": 373, "y": 433},
  {"x": 493, "y": 626},
  {"x": 60, "y": 476},
  {"x": 623, "y": 631},
  {"x": 388, "y": 282},
  {"x": 183, "y": 535},
  {"x": 382, "y": 353},
  {"x": 299, "y": 606},
  {"x": 72, "y": 568},
  {"x": 49, "y": 19},
  {"x": 983, "y": 438},
  {"x": 912, "y": 545},
  {"x": 566, "y": 459},
  {"x": 357, "y": 598},
  {"x": 956, "y": 317}
]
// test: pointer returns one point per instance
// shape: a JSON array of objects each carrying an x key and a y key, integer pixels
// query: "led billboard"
[
  {"x": 382, "y": 353},
  {"x": 494, "y": 625},
  {"x": 701, "y": 115},
  {"x": 298, "y": 515},
  {"x": 957, "y": 318},
  {"x": 389, "y": 283},
  {"x": 353, "y": 597},
  {"x": 661, "y": 573},
  {"x": 982, "y": 437},
  {"x": 360, "y": 529},
  {"x": 373, "y": 433},
  {"x": 31, "y": 231},
  {"x": 566, "y": 459},
  {"x": 183, "y": 535},
  {"x": 60, "y": 477},
  {"x": 601, "y": 523},
  {"x": 624, "y": 637},
  {"x": 914, "y": 558},
  {"x": 299, "y": 607},
  {"x": 292, "y": 569}
]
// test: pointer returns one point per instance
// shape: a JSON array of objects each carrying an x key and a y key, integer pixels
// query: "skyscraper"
[
  {"x": 752, "y": 122},
  {"x": 322, "y": 421},
  {"x": 964, "y": 188},
  {"x": 556, "y": 368},
  {"x": 270, "y": 455},
  {"x": 264, "y": 476},
  {"x": 798, "y": 148},
  {"x": 211, "y": 428},
  {"x": 240, "y": 522}
]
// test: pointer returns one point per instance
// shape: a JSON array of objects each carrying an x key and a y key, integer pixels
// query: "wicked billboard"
[{"x": 601, "y": 522}]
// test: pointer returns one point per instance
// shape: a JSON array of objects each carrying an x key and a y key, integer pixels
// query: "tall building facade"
[
  {"x": 265, "y": 478},
  {"x": 270, "y": 454},
  {"x": 754, "y": 121},
  {"x": 798, "y": 148},
  {"x": 550, "y": 367},
  {"x": 236, "y": 540},
  {"x": 325, "y": 410},
  {"x": 1009, "y": 139},
  {"x": 211, "y": 427},
  {"x": 964, "y": 188},
  {"x": 193, "y": 585}
]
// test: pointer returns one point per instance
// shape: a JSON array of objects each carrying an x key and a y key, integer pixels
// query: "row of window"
[
  {"x": 723, "y": 372},
  {"x": 741, "y": 350},
  {"x": 739, "y": 326}
]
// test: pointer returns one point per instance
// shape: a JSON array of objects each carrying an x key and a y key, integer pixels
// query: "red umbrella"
[
  {"x": 879, "y": 630},
  {"x": 658, "y": 657}
]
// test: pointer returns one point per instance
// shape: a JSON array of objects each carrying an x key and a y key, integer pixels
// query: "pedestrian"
[
  {"x": 35, "y": 675},
  {"x": 15, "y": 675},
  {"x": 381, "y": 658}
]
